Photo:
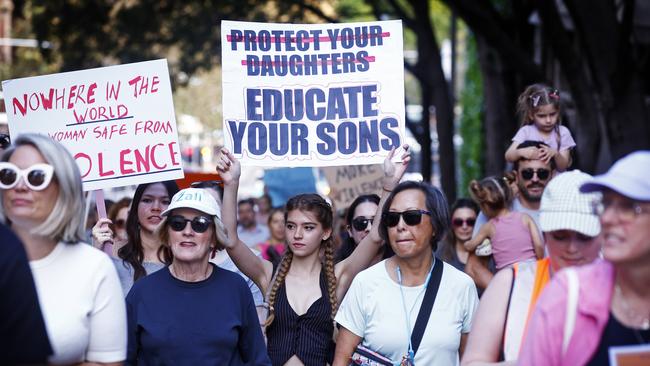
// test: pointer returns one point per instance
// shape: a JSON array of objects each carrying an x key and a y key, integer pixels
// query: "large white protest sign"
[
  {"x": 312, "y": 94},
  {"x": 118, "y": 122}
]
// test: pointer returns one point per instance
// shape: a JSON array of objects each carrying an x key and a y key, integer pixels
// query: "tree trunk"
[
  {"x": 429, "y": 68},
  {"x": 499, "y": 121}
]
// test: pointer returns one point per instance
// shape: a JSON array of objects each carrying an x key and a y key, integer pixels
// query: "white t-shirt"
[
  {"x": 373, "y": 310},
  {"x": 82, "y": 303}
]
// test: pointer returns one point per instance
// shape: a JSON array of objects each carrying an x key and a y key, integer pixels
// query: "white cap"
[
  {"x": 563, "y": 207},
  {"x": 628, "y": 176},
  {"x": 196, "y": 198}
]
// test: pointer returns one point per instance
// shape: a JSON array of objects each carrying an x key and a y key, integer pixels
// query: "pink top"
[
  {"x": 543, "y": 341},
  {"x": 264, "y": 247},
  {"x": 530, "y": 132},
  {"x": 511, "y": 242}
]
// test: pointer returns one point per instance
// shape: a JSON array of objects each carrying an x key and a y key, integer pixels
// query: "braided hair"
[{"x": 323, "y": 211}]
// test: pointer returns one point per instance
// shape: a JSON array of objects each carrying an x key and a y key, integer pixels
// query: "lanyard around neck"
[{"x": 411, "y": 354}]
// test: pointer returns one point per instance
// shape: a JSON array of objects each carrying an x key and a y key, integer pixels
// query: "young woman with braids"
[{"x": 307, "y": 288}]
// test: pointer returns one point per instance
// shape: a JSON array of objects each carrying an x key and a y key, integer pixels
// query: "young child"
[
  {"x": 538, "y": 108},
  {"x": 514, "y": 236}
]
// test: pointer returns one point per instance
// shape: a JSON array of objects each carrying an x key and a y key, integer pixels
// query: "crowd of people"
[{"x": 541, "y": 266}]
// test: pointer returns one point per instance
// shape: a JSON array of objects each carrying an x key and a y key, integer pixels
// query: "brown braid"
[
  {"x": 283, "y": 269},
  {"x": 331, "y": 277}
]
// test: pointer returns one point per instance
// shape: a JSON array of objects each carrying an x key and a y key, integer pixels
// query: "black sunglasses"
[
  {"x": 361, "y": 223},
  {"x": 5, "y": 140},
  {"x": 411, "y": 217},
  {"x": 200, "y": 224},
  {"x": 119, "y": 223},
  {"x": 542, "y": 174},
  {"x": 460, "y": 222}
]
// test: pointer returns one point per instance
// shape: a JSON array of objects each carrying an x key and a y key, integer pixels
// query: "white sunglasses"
[{"x": 37, "y": 177}]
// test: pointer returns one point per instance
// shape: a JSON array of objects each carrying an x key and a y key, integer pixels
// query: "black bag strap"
[{"x": 427, "y": 304}]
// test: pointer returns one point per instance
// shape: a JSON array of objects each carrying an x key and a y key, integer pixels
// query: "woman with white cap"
[
  {"x": 193, "y": 312},
  {"x": 570, "y": 229},
  {"x": 597, "y": 313}
]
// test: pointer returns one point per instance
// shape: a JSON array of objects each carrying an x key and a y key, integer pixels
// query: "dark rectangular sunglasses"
[
  {"x": 460, "y": 222},
  {"x": 200, "y": 224},
  {"x": 542, "y": 174},
  {"x": 411, "y": 217},
  {"x": 361, "y": 223}
]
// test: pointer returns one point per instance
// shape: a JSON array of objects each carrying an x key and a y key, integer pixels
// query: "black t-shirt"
[
  {"x": 23, "y": 338},
  {"x": 617, "y": 334}
]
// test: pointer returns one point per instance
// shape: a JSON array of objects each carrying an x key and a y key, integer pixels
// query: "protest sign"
[
  {"x": 312, "y": 94},
  {"x": 349, "y": 182},
  {"x": 118, "y": 122}
]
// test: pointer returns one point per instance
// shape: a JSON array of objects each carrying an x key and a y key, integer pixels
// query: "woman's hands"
[
  {"x": 228, "y": 167},
  {"x": 102, "y": 233},
  {"x": 393, "y": 171}
]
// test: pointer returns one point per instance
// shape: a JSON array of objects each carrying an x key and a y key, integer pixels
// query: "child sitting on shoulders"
[{"x": 539, "y": 110}]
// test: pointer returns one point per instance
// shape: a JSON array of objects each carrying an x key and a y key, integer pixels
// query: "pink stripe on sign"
[
  {"x": 273, "y": 63},
  {"x": 311, "y": 39}
]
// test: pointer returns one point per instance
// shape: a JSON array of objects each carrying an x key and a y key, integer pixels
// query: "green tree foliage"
[{"x": 470, "y": 124}]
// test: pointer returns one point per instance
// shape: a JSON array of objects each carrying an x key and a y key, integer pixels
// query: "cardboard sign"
[
  {"x": 312, "y": 94},
  {"x": 118, "y": 122},
  {"x": 349, "y": 182}
]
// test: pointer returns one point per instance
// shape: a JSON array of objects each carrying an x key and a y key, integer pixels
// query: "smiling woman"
[
  {"x": 140, "y": 255},
  {"x": 193, "y": 312}
]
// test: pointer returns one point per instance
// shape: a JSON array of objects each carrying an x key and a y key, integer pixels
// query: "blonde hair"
[{"x": 66, "y": 222}]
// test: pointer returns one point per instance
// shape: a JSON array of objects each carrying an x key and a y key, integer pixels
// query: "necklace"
[
  {"x": 205, "y": 275},
  {"x": 631, "y": 313},
  {"x": 409, "y": 358}
]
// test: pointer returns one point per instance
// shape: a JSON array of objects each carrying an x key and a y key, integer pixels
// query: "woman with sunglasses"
[
  {"x": 570, "y": 229},
  {"x": 463, "y": 217},
  {"x": 304, "y": 293},
  {"x": 141, "y": 255},
  {"x": 193, "y": 312},
  {"x": 42, "y": 201},
  {"x": 273, "y": 249},
  {"x": 384, "y": 301},
  {"x": 358, "y": 220},
  {"x": 591, "y": 314}
]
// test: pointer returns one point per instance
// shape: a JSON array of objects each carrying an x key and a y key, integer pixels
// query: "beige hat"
[{"x": 564, "y": 207}]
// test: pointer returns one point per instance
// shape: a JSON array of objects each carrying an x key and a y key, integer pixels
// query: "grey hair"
[{"x": 66, "y": 222}]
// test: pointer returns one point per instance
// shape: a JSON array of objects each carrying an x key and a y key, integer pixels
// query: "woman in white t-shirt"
[
  {"x": 78, "y": 289},
  {"x": 383, "y": 302}
]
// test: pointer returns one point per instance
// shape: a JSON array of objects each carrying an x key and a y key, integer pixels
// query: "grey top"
[
  {"x": 228, "y": 264},
  {"x": 125, "y": 272}
]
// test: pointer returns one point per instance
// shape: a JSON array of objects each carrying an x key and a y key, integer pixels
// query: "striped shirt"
[{"x": 308, "y": 336}]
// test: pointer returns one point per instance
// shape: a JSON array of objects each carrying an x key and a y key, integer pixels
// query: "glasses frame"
[
  {"x": 535, "y": 172},
  {"x": 196, "y": 223},
  {"x": 624, "y": 213},
  {"x": 47, "y": 169},
  {"x": 410, "y": 217},
  {"x": 358, "y": 221}
]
